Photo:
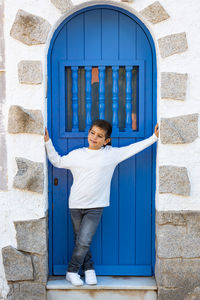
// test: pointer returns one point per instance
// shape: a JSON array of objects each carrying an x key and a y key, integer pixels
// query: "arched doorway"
[{"x": 101, "y": 63}]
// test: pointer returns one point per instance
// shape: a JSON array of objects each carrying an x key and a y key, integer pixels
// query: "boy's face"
[{"x": 96, "y": 138}]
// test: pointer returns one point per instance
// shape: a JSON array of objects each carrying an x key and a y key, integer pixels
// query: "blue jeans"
[{"x": 85, "y": 223}]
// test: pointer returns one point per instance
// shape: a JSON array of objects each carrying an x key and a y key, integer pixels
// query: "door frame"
[{"x": 49, "y": 120}]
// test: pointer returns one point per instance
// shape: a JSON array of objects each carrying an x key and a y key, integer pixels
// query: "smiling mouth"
[{"x": 93, "y": 141}]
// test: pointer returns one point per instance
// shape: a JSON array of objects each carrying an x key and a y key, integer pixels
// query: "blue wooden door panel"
[
  {"x": 59, "y": 192},
  {"x": 110, "y": 226},
  {"x": 102, "y": 36},
  {"x": 109, "y": 34},
  {"x": 127, "y": 203},
  {"x": 93, "y": 33},
  {"x": 143, "y": 209},
  {"x": 127, "y": 38},
  {"x": 75, "y": 38}
]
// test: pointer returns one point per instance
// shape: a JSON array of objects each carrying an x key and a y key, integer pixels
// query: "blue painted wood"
[
  {"x": 113, "y": 270},
  {"x": 128, "y": 126},
  {"x": 109, "y": 34},
  {"x": 58, "y": 206},
  {"x": 144, "y": 161},
  {"x": 116, "y": 133},
  {"x": 115, "y": 105},
  {"x": 88, "y": 97},
  {"x": 101, "y": 92},
  {"x": 75, "y": 99},
  {"x": 124, "y": 242},
  {"x": 93, "y": 33},
  {"x": 110, "y": 224},
  {"x": 127, "y": 187}
]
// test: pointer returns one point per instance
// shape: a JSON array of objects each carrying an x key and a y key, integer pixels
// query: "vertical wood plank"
[
  {"x": 144, "y": 161},
  {"x": 127, "y": 38},
  {"x": 75, "y": 38},
  {"x": 93, "y": 34},
  {"x": 109, "y": 34},
  {"x": 127, "y": 202},
  {"x": 59, "y": 210},
  {"x": 110, "y": 224}
]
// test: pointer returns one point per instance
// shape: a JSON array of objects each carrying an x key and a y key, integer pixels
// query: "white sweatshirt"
[{"x": 92, "y": 170}]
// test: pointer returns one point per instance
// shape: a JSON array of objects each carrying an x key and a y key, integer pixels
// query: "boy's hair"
[{"x": 106, "y": 126}]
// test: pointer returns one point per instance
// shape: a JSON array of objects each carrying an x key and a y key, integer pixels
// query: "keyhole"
[{"x": 55, "y": 181}]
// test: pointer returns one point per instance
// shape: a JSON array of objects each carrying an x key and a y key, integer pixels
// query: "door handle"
[{"x": 55, "y": 181}]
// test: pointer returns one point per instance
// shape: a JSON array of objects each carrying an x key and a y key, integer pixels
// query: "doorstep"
[{"x": 105, "y": 283}]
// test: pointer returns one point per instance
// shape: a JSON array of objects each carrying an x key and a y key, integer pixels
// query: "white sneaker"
[
  {"x": 74, "y": 278},
  {"x": 90, "y": 277}
]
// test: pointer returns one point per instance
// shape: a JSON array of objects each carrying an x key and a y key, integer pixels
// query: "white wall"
[{"x": 19, "y": 205}]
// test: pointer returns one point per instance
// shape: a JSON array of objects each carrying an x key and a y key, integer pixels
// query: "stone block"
[
  {"x": 174, "y": 180},
  {"x": 171, "y": 217},
  {"x": 30, "y": 29},
  {"x": 17, "y": 265},
  {"x": 174, "y": 241},
  {"x": 172, "y": 44},
  {"x": 179, "y": 130},
  {"x": 177, "y": 277},
  {"x": 173, "y": 85},
  {"x": 27, "y": 291},
  {"x": 21, "y": 120},
  {"x": 173, "y": 294},
  {"x": 178, "y": 234},
  {"x": 31, "y": 237},
  {"x": 40, "y": 267},
  {"x": 195, "y": 294},
  {"x": 14, "y": 291},
  {"x": 62, "y": 5},
  {"x": 154, "y": 13},
  {"x": 30, "y": 175},
  {"x": 30, "y": 71},
  {"x": 32, "y": 291},
  {"x": 178, "y": 255}
]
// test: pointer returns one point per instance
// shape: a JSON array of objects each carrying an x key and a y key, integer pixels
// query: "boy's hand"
[
  {"x": 46, "y": 137},
  {"x": 156, "y": 130}
]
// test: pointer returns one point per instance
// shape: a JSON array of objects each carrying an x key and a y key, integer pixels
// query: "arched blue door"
[{"x": 101, "y": 65}]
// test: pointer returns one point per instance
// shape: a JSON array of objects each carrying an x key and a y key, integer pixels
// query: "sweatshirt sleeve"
[
  {"x": 125, "y": 152},
  {"x": 58, "y": 161}
]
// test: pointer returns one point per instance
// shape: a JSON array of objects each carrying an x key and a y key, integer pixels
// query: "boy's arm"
[
  {"x": 57, "y": 160},
  {"x": 125, "y": 152}
]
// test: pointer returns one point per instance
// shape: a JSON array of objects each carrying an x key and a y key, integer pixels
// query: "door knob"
[{"x": 55, "y": 181}]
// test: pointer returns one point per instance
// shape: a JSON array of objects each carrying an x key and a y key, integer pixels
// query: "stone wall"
[
  {"x": 26, "y": 267},
  {"x": 178, "y": 255}
]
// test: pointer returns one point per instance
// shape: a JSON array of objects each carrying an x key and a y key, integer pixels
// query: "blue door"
[{"x": 101, "y": 64}]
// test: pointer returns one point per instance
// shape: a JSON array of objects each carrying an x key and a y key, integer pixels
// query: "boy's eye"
[{"x": 100, "y": 136}]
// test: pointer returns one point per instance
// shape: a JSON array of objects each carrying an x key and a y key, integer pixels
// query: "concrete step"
[{"x": 107, "y": 288}]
